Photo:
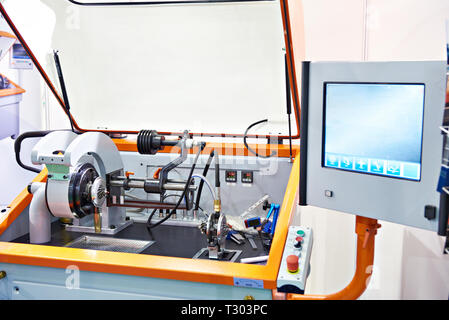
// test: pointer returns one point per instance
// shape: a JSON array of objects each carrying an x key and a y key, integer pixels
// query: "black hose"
[
  {"x": 200, "y": 187},
  {"x": 168, "y": 196},
  {"x": 18, "y": 146},
  {"x": 245, "y": 136},
  {"x": 217, "y": 172},
  {"x": 189, "y": 179}
]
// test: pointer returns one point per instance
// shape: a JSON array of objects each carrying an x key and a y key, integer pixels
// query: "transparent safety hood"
[{"x": 212, "y": 68}]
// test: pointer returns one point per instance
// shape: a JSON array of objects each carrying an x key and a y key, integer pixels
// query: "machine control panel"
[
  {"x": 295, "y": 261},
  {"x": 231, "y": 176},
  {"x": 247, "y": 176}
]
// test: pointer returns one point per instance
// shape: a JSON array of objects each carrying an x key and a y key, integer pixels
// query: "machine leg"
[{"x": 40, "y": 222}]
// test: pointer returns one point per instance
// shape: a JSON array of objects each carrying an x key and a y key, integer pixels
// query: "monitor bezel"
[{"x": 401, "y": 201}]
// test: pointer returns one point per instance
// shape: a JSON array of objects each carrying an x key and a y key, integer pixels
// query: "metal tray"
[{"x": 109, "y": 244}]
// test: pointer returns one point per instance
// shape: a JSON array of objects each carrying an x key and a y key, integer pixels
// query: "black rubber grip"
[{"x": 18, "y": 146}]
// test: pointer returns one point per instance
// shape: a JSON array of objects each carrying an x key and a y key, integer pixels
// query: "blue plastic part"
[
  {"x": 267, "y": 227},
  {"x": 275, "y": 217},
  {"x": 270, "y": 211},
  {"x": 249, "y": 222},
  {"x": 270, "y": 226},
  {"x": 230, "y": 233}
]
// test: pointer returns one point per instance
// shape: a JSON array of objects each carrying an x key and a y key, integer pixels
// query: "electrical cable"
[
  {"x": 245, "y": 137},
  {"x": 176, "y": 195},
  {"x": 217, "y": 201},
  {"x": 205, "y": 171},
  {"x": 189, "y": 179},
  {"x": 163, "y": 199},
  {"x": 209, "y": 186},
  {"x": 217, "y": 176}
]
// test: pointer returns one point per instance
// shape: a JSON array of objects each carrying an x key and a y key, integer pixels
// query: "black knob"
[{"x": 266, "y": 205}]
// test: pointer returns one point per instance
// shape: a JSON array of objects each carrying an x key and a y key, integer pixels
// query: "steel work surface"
[{"x": 172, "y": 241}]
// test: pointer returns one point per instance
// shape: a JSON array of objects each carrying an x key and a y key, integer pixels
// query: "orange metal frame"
[
  {"x": 156, "y": 266},
  {"x": 12, "y": 91},
  {"x": 197, "y": 270},
  {"x": 7, "y": 35},
  {"x": 190, "y": 269}
]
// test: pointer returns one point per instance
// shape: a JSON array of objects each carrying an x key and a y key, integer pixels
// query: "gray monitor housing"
[{"x": 340, "y": 183}]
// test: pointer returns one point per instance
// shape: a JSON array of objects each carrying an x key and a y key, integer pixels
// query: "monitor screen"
[
  {"x": 374, "y": 128},
  {"x": 19, "y": 52}
]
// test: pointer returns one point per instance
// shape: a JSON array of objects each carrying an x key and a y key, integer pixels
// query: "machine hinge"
[{"x": 275, "y": 141}]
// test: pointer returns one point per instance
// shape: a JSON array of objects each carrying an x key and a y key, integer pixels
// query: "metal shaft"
[{"x": 140, "y": 184}]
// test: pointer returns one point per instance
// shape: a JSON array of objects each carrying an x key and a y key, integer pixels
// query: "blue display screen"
[
  {"x": 19, "y": 52},
  {"x": 374, "y": 128}
]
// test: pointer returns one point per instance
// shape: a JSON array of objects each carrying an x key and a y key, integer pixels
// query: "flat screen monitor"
[
  {"x": 19, "y": 58},
  {"x": 374, "y": 128},
  {"x": 370, "y": 139}
]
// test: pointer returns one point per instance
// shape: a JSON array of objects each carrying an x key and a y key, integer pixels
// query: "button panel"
[{"x": 295, "y": 261}]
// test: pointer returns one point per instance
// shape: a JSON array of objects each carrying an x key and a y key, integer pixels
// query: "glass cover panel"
[{"x": 210, "y": 68}]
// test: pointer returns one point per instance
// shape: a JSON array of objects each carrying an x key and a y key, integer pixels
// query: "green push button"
[{"x": 301, "y": 233}]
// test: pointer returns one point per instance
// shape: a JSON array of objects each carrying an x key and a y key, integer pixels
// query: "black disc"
[{"x": 79, "y": 194}]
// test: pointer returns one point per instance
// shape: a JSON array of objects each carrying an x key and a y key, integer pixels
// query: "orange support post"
[{"x": 366, "y": 230}]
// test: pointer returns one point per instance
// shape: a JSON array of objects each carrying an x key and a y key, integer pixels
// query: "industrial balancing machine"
[{"x": 163, "y": 214}]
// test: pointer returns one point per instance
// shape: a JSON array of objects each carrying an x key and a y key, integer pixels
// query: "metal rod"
[
  {"x": 139, "y": 184},
  {"x": 97, "y": 220},
  {"x": 148, "y": 205},
  {"x": 289, "y": 107},
  {"x": 146, "y": 179},
  {"x": 63, "y": 87}
]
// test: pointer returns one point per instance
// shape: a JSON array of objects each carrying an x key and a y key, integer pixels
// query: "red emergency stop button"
[
  {"x": 299, "y": 239},
  {"x": 292, "y": 263}
]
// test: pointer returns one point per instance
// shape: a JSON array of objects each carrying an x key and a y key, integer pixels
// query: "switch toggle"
[{"x": 298, "y": 243}]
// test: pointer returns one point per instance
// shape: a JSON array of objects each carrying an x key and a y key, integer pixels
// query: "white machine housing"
[{"x": 62, "y": 152}]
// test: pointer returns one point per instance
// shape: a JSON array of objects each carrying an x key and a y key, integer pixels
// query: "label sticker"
[{"x": 248, "y": 283}]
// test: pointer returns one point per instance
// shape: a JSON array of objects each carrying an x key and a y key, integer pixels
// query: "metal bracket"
[
  {"x": 163, "y": 175},
  {"x": 104, "y": 231},
  {"x": 236, "y": 254}
]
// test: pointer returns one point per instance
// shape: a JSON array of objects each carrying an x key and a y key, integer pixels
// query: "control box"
[
  {"x": 247, "y": 176},
  {"x": 231, "y": 176},
  {"x": 295, "y": 262}
]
